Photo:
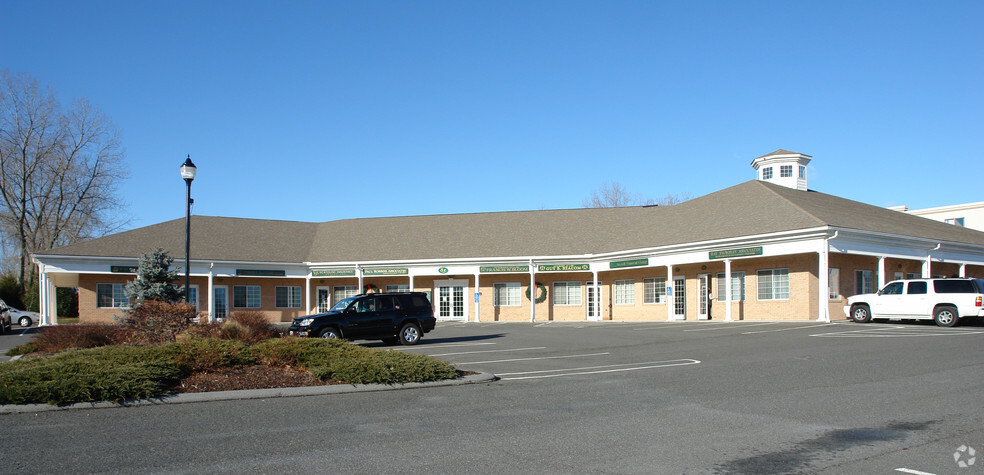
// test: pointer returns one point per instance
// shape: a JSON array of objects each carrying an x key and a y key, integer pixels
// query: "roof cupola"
[{"x": 783, "y": 167}]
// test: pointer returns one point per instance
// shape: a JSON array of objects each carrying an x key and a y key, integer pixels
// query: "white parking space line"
[
  {"x": 729, "y": 325},
  {"x": 790, "y": 328},
  {"x": 532, "y": 359},
  {"x": 439, "y": 345},
  {"x": 596, "y": 369},
  {"x": 914, "y": 472},
  {"x": 491, "y": 351},
  {"x": 896, "y": 331}
]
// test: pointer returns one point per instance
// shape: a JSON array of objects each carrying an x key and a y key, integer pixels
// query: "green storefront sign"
[
  {"x": 334, "y": 273},
  {"x": 386, "y": 271},
  {"x": 260, "y": 273},
  {"x": 124, "y": 269},
  {"x": 503, "y": 269},
  {"x": 632, "y": 263},
  {"x": 563, "y": 267},
  {"x": 729, "y": 253}
]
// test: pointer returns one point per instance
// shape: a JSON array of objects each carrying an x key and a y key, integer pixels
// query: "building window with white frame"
[
  {"x": 833, "y": 282},
  {"x": 737, "y": 286},
  {"x": 767, "y": 173},
  {"x": 802, "y": 172},
  {"x": 625, "y": 292},
  {"x": 864, "y": 281},
  {"x": 567, "y": 293},
  {"x": 398, "y": 288},
  {"x": 954, "y": 221},
  {"x": 288, "y": 297},
  {"x": 654, "y": 290},
  {"x": 246, "y": 296},
  {"x": 192, "y": 296},
  {"x": 773, "y": 284},
  {"x": 111, "y": 296},
  {"x": 786, "y": 171},
  {"x": 342, "y": 292},
  {"x": 506, "y": 294}
]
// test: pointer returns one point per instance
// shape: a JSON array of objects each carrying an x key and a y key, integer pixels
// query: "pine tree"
[{"x": 155, "y": 280}]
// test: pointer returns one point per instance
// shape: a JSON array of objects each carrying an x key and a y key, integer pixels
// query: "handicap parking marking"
[
  {"x": 896, "y": 331},
  {"x": 535, "y": 358},
  {"x": 556, "y": 373}
]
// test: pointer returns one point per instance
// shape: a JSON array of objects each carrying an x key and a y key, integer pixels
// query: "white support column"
[
  {"x": 52, "y": 295},
  {"x": 823, "y": 284},
  {"x": 670, "y": 296},
  {"x": 358, "y": 272},
  {"x": 477, "y": 298},
  {"x": 211, "y": 293},
  {"x": 597, "y": 294},
  {"x": 533, "y": 291},
  {"x": 307, "y": 293},
  {"x": 43, "y": 297},
  {"x": 963, "y": 270},
  {"x": 728, "y": 289},
  {"x": 881, "y": 272}
]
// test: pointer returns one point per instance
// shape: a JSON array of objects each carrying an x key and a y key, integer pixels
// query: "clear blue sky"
[{"x": 314, "y": 111}]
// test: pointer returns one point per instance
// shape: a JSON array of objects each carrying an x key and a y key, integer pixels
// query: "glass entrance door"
[
  {"x": 594, "y": 309},
  {"x": 680, "y": 298},
  {"x": 451, "y": 303},
  {"x": 323, "y": 299},
  {"x": 703, "y": 300},
  {"x": 220, "y": 308}
]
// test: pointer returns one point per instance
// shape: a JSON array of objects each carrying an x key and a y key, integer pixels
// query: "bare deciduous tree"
[
  {"x": 614, "y": 195},
  {"x": 611, "y": 195},
  {"x": 59, "y": 169}
]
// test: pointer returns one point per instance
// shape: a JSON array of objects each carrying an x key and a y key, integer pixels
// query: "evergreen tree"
[{"x": 155, "y": 280}]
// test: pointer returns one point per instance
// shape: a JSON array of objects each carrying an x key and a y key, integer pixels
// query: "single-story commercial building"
[{"x": 766, "y": 249}]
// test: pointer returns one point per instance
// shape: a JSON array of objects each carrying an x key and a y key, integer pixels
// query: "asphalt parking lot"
[{"x": 681, "y": 397}]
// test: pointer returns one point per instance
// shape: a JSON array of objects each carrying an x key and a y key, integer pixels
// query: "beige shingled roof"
[{"x": 750, "y": 208}]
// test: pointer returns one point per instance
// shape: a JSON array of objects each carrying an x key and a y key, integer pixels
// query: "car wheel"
[
  {"x": 409, "y": 334},
  {"x": 860, "y": 313},
  {"x": 25, "y": 321},
  {"x": 330, "y": 334},
  {"x": 945, "y": 316}
]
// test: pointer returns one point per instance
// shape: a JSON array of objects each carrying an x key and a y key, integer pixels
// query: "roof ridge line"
[{"x": 791, "y": 203}]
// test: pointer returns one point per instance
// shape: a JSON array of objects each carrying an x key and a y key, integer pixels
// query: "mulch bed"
[
  {"x": 255, "y": 377},
  {"x": 248, "y": 377}
]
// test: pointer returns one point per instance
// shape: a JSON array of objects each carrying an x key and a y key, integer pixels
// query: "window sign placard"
[
  {"x": 631, "y": 263},
  {"x": 730, "y": 253}
]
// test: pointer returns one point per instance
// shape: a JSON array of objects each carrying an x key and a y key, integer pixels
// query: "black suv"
[{"x": 391, "y": 317}]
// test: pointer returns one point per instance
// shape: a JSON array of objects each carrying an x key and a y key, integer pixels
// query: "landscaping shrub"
[
  {"x": 98, "y": 374},
  {"x": 59, "y": 338},
  {"x": 342, "y": 361},
  {"x": 198, "y": 354},
  {"x": 158, "y": 322},
  {"x": 255, "y": 325}
]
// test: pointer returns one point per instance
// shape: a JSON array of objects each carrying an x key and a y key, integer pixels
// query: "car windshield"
[{"x": 342, "y": 304}]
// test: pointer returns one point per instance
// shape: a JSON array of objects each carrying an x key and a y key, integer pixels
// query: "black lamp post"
[{"x": 188, "y": 172}]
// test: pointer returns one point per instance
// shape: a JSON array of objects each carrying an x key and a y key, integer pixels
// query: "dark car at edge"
[{"x": 392, "y": 317}]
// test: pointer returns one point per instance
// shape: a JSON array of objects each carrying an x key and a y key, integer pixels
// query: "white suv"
[{"x": 945, "y": 301}]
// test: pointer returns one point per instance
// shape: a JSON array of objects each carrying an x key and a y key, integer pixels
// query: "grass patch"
[{"x": 116, "y": 373}]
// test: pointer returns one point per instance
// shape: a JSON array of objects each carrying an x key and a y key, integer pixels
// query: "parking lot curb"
[{"x": 186, "y": 398}]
